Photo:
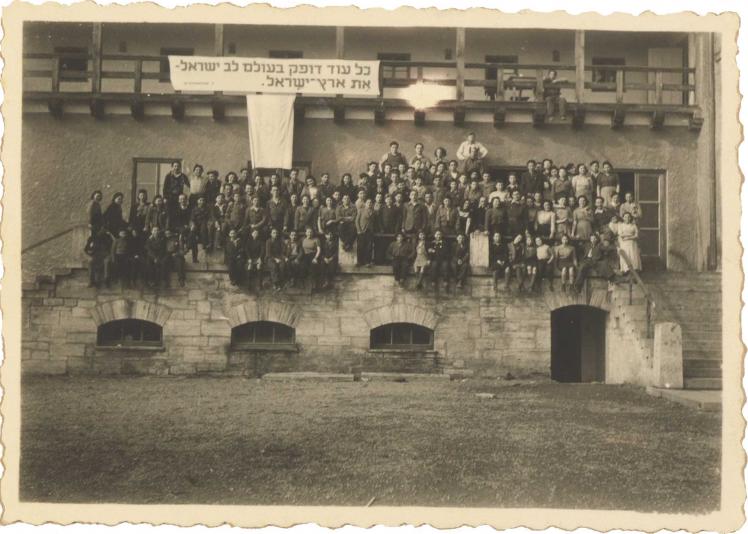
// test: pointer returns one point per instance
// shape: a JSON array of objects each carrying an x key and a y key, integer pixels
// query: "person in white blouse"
[{"x": 465, "y": 150}]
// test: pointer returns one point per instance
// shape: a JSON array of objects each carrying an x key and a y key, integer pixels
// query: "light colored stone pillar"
[
  {"x": 668, "y": 356},
  {"x": 479, "y": 250}
]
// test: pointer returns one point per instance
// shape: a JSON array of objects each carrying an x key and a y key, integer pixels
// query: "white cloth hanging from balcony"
[{"x": 271, "y": 121}]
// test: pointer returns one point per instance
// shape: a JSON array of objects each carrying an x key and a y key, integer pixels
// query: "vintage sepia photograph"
[{"x": 370, "y": 261}]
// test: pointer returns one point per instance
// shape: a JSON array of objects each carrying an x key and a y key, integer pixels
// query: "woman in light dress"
[
  {"x": 582, "y": 226},
  {"x": 422, "y": 261},
  {"x": 628, "y": 242}
]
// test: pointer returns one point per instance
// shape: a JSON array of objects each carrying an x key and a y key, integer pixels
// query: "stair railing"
[
  {"x": 635, "y": 278},
  {"x": 80, "y": 233}
]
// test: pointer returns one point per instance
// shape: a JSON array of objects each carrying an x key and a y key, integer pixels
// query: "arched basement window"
[
  {"x": 129, "y": 333},
  {"x": 262, "y": 334},
  {"x": 402, "y": 336}
]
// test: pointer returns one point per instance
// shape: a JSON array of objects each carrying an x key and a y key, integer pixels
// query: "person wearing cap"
[{"x": 401, "y": 254}]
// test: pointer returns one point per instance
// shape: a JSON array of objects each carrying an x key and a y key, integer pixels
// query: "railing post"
[
  {"x": 539, "y": 85},
  {"x": 579, "y": 64},
  {"x": 138, "y": 86},
  {"x": 56, "y": 74},
  {"x": 500, "y": 84},
  {"x": 619, "y": 86},
  {"x": 96, "y": 57},
  {"x": 658, "y": 87},
  {"x": 419, "y": 74},
  {"x": 460, "y": 57}
]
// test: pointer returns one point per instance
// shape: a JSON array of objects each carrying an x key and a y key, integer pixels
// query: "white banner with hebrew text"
[{"x": 267, "y": 75}]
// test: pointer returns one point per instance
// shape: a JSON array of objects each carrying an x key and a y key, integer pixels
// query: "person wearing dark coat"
[
  {"x": 593, "y": 259},
  {"x": 99, "y": 247},
  {"x": 114, "y": 222},
  {"x": 440, "y": 256},
  {"x": 275, "y": 257},
  {"x": 155, "y": 249},
  {"x": 329, "y": 261},
  {"x": 175, "y": 183},
  {"x": 95, "y": 216},
  {"x": 234, "y": 257},
  {"x": 460, "y": 260},
  {"x": 401, "y": 253},
  {"x": 254, "y": 250}
]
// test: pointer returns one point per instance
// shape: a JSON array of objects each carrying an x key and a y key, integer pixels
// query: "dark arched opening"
[
  {"x": 262, "y": 334},
  {"x": 129, "y": 333},
  {"x": 578, "y": 344},
  {"x": 402, "y": 336}
]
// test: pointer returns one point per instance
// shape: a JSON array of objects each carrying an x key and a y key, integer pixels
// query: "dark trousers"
[
  {"x": 277, "y": 271},
  {"x": 328, "y": 270},
  {"x": 438, "y": 269},
  {"x": 460, "y": 271},
  {"x": 158, "y": 270},
  {"x": 254, "y": 271},
  {"x": 236, "y": 269},
  {"x": 400, "y": 268},
  {"x": 176, "y": 264},
  {"x": 120, "y": 267},
  {"x": 583, "y": 272},
  {"x": 364, "y": 253},
  {"x": 98, "y": 270},
  {"x": 347, "y": 233}
]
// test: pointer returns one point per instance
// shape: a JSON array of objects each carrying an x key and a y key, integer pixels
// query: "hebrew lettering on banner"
[{"x": 267, "y": 75}]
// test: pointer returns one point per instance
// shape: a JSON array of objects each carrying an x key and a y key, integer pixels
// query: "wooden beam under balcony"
[
  {"x": 96, "y": 55},
  {"x": 579, "y": 64}
]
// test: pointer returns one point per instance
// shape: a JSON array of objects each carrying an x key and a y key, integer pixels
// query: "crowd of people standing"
[{"x": 550, "y": 218}]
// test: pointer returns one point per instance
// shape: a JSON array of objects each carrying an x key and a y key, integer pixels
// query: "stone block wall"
[{"x": 490, "y": 334}]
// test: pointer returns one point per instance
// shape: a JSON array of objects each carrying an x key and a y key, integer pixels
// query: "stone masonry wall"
[{"x": 492, "y": 334}]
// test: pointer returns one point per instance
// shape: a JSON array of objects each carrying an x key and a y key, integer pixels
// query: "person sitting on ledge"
[
  {"x": 155, "y": 248},
  {"x": 275, "y": 257},
  {"x": 329, "y": 262},
  {"x": 439, "y": 254},
  {"x": 400, "y": 252},
  {"x": 516, "y": 255},
  {"x": 234, "y": 257},
  {"x": 460, "y": 260},
  {"x": 310, "y": 257},
  {"x": 294, "y": 255},
  {"x": 498, "y": 261},
  {"x": 174, "y": 257},
  {"x": 566, "y": 262},
  {"x": 544, "y": 266},
  {"x": 592, "y": 259},
  {"x": 254, "y": 249}
]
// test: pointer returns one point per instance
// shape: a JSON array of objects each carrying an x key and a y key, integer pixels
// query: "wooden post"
[
  {"x": 138, "y": 85},
  {"x": 539, "y": 85},
  {"x": 460, "y": 57},
  {"x": 339, "y": 42},
  {"x": 218, "y": 43},
  {"x": 500, "y": 84},
  {"x": 96, "y": 56},
  {"x": 706, "y": 170},
  {"x": 56, "y": 74},
  {"x": 619, "y": 86},
  {"x": 579, "y": 63},
  {"x": 658, "y": 87},
  {"x": 419, "y": 73}
]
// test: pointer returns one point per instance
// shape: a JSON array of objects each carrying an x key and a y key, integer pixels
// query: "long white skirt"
[{"x": 631, "y": 248}]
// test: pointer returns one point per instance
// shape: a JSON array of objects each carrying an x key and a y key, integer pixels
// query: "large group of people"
[{"x": 417, "y": 214}]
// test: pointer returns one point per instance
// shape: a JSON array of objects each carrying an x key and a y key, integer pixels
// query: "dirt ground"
[{"x": 240, "y": 441}]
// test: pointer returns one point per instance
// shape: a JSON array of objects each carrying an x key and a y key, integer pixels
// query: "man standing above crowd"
[
  {"x": 471, "y": 148},
  {"x": 414, "y": 216},
  {"x": 197, "y": 184},
  {"x": 531, "y": 181},
  {"x": 394, "y": 157},
  {"x": 420, "y": 158}
]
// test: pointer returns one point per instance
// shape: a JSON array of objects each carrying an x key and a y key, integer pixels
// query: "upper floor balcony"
[{"x": 453, "y": 70}]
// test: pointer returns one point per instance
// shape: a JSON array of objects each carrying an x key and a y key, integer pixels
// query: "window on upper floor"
[
  {"x": 605, "y": 75},
  {"x": 73, "y": 63},
  {"x": 395, "y": 71}
]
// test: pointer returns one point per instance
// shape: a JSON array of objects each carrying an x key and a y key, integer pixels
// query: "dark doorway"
[{"x": 578, "y": 344}]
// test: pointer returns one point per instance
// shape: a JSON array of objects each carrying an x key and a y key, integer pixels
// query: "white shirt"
[{"x": 464, "y": 151}]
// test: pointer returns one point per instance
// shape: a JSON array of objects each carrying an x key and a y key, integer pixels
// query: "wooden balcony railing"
[{"x": 50, "y": 77}]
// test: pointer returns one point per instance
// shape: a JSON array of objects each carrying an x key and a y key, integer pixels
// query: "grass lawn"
[{"x": 239, "y": 441}]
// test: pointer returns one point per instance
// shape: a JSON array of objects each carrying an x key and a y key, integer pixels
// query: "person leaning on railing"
[{"x": 552, "y": 95}]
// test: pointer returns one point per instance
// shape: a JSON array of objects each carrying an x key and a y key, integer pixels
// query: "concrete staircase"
[{"x": 693, "y": 300}]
